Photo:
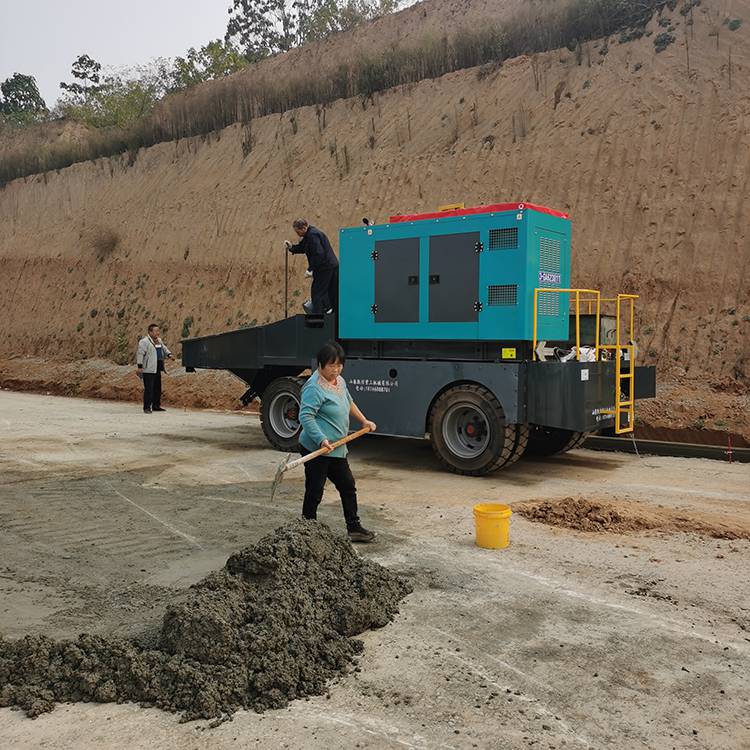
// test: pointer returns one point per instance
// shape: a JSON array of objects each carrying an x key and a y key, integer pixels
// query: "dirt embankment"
[
  {"x": 275, "y": 624},
  {"x": 100, "y": 378},
  {"x": 648, "y": 153}
]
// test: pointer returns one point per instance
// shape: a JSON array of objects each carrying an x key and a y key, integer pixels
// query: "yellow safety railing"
[
  {"x": 594, "y": 301},
  {"x": 578, "y": 293}
]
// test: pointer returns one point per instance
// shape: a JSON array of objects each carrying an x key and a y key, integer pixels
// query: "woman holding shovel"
[{"x": 324, "y": 414}]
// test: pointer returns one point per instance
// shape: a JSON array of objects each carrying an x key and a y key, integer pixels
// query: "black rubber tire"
[
  {"x": 522, "y": 441},
  {"x": 548, "y": 441},
  {"x": 504, "y": 442},
  {"x": 280, "y": 386}
]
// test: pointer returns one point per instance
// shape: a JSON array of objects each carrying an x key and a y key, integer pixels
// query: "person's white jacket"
[{"x": 146, "y": 357}]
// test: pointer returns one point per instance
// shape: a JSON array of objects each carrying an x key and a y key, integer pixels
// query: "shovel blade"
[{"x": 279, "y": 475}]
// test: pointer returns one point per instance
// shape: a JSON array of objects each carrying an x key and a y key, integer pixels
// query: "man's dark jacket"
[{"x": 317, "y": 248}]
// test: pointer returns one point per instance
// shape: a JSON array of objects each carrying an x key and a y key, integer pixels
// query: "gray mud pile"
[{"x": 275, "y": 624}]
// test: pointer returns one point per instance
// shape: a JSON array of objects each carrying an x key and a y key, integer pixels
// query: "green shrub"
[
  {"x": 688, "y": 6},
  {"x": 663, "y": 40}
]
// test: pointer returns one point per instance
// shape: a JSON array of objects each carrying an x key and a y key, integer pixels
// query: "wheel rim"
[
  {"x": 284, "y": 415},
  {"x": 466, "y": 430}
]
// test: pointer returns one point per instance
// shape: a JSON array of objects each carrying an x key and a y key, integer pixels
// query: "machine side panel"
[
  {"x": 645, "y": 381},
  {"x": 502, "y": 281},
  {"x": 397, "y": 280},
  {"x": 570, "y": 395},
  {"x": 454, "y": 278},
  {"x": 397, "y": 394},
  {"x": 548, "y": 266},
  {"x": 292, "y": 342}
]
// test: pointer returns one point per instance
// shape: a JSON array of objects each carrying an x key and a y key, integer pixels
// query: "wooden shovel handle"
[{"x": 323, "y": 451}]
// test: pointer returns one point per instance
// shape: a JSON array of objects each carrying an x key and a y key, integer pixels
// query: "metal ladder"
[{"x": 624, "y": 380}]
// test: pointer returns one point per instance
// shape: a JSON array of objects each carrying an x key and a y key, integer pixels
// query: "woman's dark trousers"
[{"x": 338, "y": 471}]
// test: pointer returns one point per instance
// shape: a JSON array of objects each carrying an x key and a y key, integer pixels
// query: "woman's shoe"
[{"x": 360, "y": 534}]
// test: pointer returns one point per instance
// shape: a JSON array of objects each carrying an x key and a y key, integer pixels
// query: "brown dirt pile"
[
  {"x": 620, "y": 516},
  {"x": 275, "y": 624}
]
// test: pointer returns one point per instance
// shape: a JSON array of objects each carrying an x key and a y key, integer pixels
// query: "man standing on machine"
[{"x": 323, "y": 263}]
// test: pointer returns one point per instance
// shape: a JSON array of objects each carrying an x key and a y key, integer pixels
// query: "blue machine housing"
[{"x": 462, "y": 276}]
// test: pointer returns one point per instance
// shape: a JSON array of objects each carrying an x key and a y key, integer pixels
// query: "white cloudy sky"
[{"x": 43, "y": 37}]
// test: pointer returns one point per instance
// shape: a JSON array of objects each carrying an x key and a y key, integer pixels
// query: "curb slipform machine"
[{"x": 460, "y": 326}]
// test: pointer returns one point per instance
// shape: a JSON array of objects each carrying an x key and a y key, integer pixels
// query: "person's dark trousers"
[
  {"x": 152, "y": 390},
  {"x": 333, "y": 290},
  {"x": 325, "y": 281},
  {"x": 338, "y": 471}
]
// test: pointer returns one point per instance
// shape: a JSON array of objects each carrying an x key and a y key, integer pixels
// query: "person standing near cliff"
[
  {"x": 323, "y": 263},
  {"x": 152, "y": 352}
]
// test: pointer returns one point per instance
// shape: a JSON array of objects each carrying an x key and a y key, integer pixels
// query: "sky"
[{"x": 43, "y": 37}]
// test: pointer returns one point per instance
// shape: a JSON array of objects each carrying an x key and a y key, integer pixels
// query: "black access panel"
[
  {"x": 396, "y": 280},
  {"x": 570, "y": 395},
  {"x": 454, "y": 278}
]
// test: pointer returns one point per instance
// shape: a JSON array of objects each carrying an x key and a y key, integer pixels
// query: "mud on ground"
[{"x": 275, "y": 624}]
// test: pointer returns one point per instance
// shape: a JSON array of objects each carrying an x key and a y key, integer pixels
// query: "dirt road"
[{"x": 566, "y": 639}]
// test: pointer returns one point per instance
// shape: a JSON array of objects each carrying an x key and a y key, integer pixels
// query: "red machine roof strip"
[{"x": 494, "y": 208}]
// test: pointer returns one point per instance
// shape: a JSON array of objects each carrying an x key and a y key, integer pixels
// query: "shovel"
[{"x": 286, "y": 464}]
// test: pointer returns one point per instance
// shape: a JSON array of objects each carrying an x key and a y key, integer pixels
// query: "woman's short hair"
[{"x": 331, "y": 352}]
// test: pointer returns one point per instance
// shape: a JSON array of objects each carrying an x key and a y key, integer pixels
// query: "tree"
[
  {"x": 214, "y": 60},
  {"x": 86, "y": 70},
  {"x": 120, "y": 97},
  {"x": 266, "y": 27},
  {"x": 263, "y": 27},
  {"x": 320, "y": 18},
  {"x": 21, "y": 101}
]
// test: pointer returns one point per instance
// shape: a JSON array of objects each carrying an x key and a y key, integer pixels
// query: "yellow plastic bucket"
[{"x": 492, "y": 525}]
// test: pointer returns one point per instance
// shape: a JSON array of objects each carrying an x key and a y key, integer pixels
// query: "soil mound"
[
  {"x": 275, "y": 624},
  {"x": 581, "y": 514},
  {"x": 621, "y": 516}
]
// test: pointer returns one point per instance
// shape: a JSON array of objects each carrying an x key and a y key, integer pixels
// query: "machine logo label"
[
  {"x": 545, "y": 277},
  {"x": 373, "y": 386},
  {"x": 604, "y": 413}
]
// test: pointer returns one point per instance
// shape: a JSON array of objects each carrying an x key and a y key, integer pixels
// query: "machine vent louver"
[
  {"x": 502, "y": 295},
  {"x": 549, "y": 275},
  {"x": 504, "y": 239}
]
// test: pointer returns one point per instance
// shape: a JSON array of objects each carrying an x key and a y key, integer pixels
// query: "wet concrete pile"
[{"x": 275, "y": 624}]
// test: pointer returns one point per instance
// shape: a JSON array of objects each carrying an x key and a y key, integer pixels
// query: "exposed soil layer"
[
  {"x": 275, "y": 624},
  {"x": 622, "y": 516},
  {"x": 686, "y": 411}
]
